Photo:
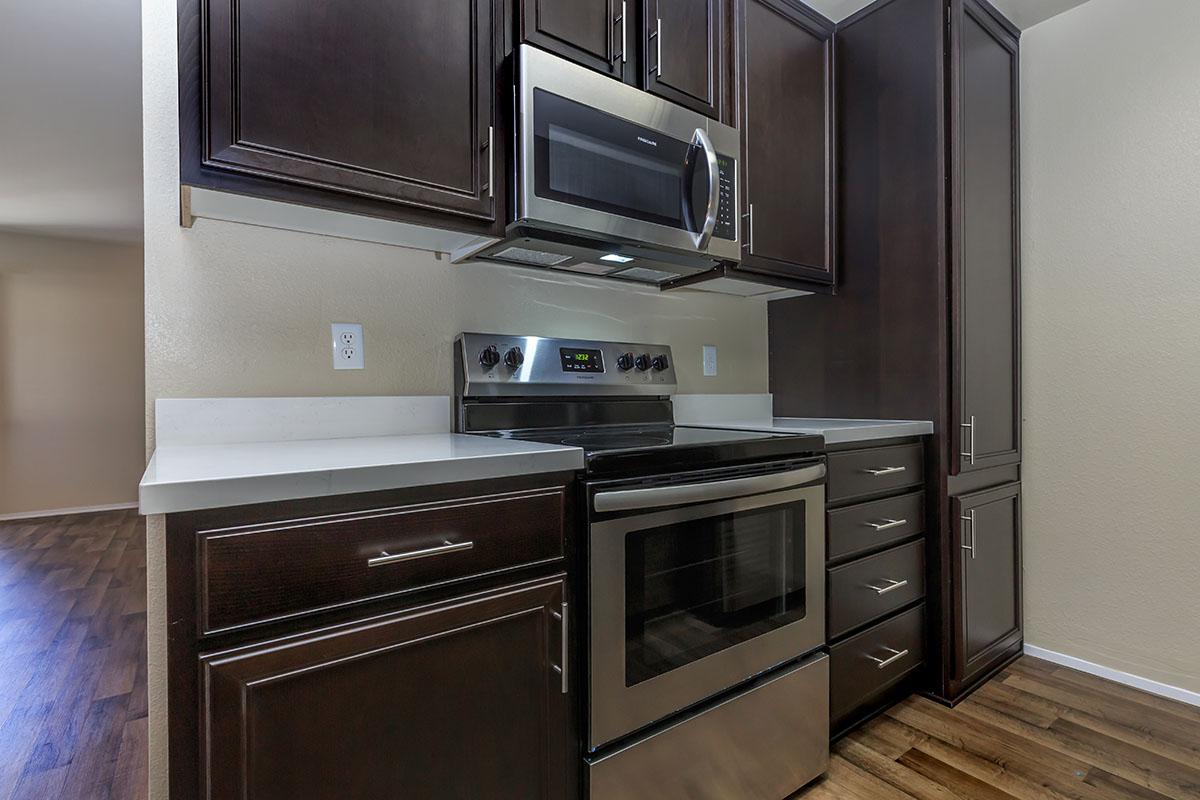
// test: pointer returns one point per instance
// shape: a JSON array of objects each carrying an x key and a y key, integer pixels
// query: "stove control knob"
[
  {"x": 489, "y": 357},
  {"x": 625, "y": 362},
  {"x": 659, "y": 363},
  {"x": 514, "y": 358},
  {"x": 642, "y": 362}
]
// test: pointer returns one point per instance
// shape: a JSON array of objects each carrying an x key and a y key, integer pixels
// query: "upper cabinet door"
[
  {"x": 684, "y": 43},
  {"x": 590, "y": 32},
  {"x": 385, "y": 101},
  {"x": 986, "y": 431},
  {"x": 786, "y": 118}
]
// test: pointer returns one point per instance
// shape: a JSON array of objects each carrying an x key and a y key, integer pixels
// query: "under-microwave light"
[{"x": 616, "y": 259}]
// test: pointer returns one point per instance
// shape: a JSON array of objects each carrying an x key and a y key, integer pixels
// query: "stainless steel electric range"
[{"x": 699, "y": 576}]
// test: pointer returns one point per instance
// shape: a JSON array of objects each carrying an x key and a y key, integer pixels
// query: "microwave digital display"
[{"x": 581, "y": 360}]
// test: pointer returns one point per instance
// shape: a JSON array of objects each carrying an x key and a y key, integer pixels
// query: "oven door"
[
  {"x": 696, "y": 587},
  {"x": 606, "y": 160}
]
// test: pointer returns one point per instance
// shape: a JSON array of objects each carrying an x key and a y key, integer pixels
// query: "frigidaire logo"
[{"x": 650, "y": 142}]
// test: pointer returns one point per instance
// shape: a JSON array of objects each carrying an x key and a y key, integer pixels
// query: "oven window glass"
[
  {"x": 696, "y": 588},
  {"x": 591, "y": 159}
]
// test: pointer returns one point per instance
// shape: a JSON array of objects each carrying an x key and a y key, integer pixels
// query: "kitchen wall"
[
  {"x": 71, "y": 373},
  {"x": 234, "y": 310},
  {"x": 1111, "y": 204}
]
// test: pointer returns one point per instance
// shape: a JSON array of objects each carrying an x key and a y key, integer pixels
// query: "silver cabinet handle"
[
  {"x": 385, "y": 557},
  {"x": 970, "y": 453},
  {"x": 491, "y": 161},
  {"x": 659, "y": 36},
  {"x": 884, "y": 663},
  {"x": 885, "y": 471},
  {"x": 891, "y": 587},
  {"x": 561, "y": 666},
  {"x": 662, "y": 496},
  {"x": 749, "y": 216},
  {"x": 624, "y": 36},
  {"x": 969, "y": 518},
  {"x": 888, "y": 524},
  {"x": 700, "y": 139}
]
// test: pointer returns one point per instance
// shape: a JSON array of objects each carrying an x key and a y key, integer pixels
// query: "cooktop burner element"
[{"x": 612, "y": 399}]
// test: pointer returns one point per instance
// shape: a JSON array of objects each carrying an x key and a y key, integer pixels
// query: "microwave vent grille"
[{"x": 524, "y": 255}]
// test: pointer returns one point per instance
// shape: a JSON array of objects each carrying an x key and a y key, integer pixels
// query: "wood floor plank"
[
  {"x": 891, "y": 771},
  {"x": 962, "y": 784}
]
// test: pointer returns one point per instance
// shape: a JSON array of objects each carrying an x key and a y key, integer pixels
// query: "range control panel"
[
  {"x": 496, "y": 364},
  {"x": 725, "y": 228}
]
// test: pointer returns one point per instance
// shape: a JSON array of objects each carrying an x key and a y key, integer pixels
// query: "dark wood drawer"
[
  {"x": 872, "y": 587},
  {"x": 862, "y": 473},
  {"x": 280, "y": 569},
  {"x": 866, "y": 665},
  {"x": 872, "y": 526}
]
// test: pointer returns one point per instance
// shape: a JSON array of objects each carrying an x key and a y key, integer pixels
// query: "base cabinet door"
[
  {"x": 463, "y": 700},
  {"x": 987, "y": 575},
  {"x": 786, "y": 118}
]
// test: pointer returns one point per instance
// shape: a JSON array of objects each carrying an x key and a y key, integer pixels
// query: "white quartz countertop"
[
  {"x": 217, "y": 452},
  {"x": 835, "y": 431},
  {"x": 753, "y": 412},
  {"x": 196, "y": 476}
]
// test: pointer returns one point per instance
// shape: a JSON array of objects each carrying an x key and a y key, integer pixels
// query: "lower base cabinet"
[{"x": 459, "y": 700}]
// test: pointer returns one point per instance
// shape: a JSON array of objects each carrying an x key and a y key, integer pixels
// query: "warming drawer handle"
[
  {"x": 887, "y": 524},
  {"x": 386, "y": 558},
  {"x": 892, "y": 586},
  {"x": 884, "y": 663},
  {"x": 661, "y": 496},
  {"x": 885, "y": 471}
]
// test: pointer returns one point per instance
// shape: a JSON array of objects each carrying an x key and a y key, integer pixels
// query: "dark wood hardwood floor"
[
  {"x": 1035, "y": 731},
  {"x": 73, "y": 658},
  {"x": 73, "y": 700}
]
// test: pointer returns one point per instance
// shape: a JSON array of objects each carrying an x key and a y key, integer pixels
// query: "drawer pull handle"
[
  {"x": 884, "y": 663},
  {"x": 891, "y": 587},
  {"x": 879, "y": 473},
  {"x": 887, "y": 524},
  {"x": 386, "y": 558}
]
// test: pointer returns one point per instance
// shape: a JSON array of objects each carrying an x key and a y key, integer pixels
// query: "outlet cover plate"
[
  {"x": 710, "y": 360},
  {"x": 347, "y": 339}
]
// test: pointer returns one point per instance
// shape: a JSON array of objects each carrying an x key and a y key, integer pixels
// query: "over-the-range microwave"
[{"x": 610, "y": 180}]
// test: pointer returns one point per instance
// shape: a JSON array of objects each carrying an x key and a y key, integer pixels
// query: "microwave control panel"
[{"x": 725, "y": 228}]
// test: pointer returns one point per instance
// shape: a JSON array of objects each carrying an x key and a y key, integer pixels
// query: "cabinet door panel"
[
  {"x": 786, "y": 119},
  {"x": 585, "y": 31},
  {"x": 984, "y": 241},
  {"x": 987, "y": 572},
  {"x": 691, "y": 69},
  {"x": 377, "y": 99},
  {"x": 458, "y": 702}
]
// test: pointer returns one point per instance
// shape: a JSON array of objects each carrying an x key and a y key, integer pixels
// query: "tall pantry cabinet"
[{"x": 926, "y": 323}]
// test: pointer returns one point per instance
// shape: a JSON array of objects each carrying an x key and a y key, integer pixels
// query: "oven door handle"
[{"x": 662, "y": 496}]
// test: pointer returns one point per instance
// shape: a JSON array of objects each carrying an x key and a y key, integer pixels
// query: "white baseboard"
[
  {"x": 63, "y": 512},
  {"x": 1116, "y": 675}
]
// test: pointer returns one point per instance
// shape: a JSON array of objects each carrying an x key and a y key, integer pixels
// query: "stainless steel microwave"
[{"x": 610, "y": 180}]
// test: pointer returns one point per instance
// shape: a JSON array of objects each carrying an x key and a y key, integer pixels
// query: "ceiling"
[
  {"x": 1024, "y": 13},
  {"x": 71, "y": 126}
]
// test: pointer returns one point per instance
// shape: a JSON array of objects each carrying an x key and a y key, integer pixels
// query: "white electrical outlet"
[
  {"x": 710, "y": 360},
  {"x": 347, "y": 345}
]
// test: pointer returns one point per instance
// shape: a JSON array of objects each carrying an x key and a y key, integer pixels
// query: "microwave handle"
[
  {"x": 660, "y": 496},
  {"x": 714, "y": 188}
]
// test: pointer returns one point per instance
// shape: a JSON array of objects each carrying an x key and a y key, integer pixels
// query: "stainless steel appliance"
[
  {"x": 702, "y": 552},
  {"x": 613, "y": 181}
]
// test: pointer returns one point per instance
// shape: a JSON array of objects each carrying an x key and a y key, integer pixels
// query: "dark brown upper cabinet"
[
  {"x": 785, "y": 100},
  {"x": 684, "y": 42},
  {"x": 462, "y": 700},
  {"x": 386, "y": 109},
  {"x": 986, "y": 580},
  {"x": 590, "y": 32},
  {"x": 984, "y": 237}
]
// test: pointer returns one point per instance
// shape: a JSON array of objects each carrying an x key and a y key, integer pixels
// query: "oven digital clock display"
[{"x": 581, "y": 360}]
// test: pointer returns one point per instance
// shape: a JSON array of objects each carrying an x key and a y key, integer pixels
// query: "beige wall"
[
  {"x": 71, "y": 373},
  {"x": 1111, "y": 200},
  {"x": 243, "y": 311}
]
